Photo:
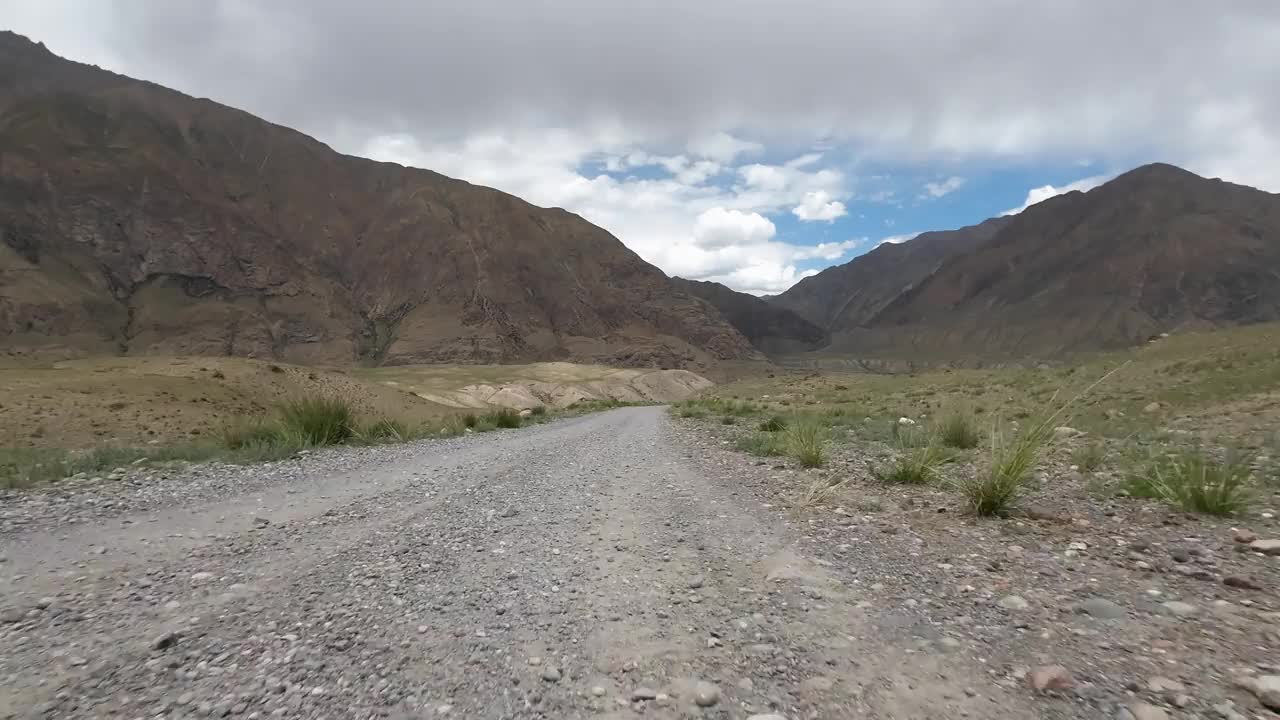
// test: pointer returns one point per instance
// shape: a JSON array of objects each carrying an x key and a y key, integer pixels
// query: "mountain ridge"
[{"x": 135, "y": 219}]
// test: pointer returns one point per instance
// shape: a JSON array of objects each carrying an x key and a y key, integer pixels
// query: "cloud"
[
  {"x": 1044, "y": 192},
  {"x": 708, "y": 106},
  {"x": 943, "y": 187},
  {"x": 818, "y": 206},
  {"x": 719, "y": 228}
]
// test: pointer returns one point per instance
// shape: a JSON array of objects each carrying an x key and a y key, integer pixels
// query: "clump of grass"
[
  {"x": 994, "y": 490},
  {"x": 538, "y": 411},
  {"x": 382, "y": 430},
  {"x": 822, "y": 491},
  {"x": 915, "y": 466},
  {"x": 502, "y": 418},
  {"x": 246, "y": 433},
  {"x": 318, "y": 419},
  {"x": 1196, "y": 482},
  {"x": 692, "y": 411},
  {"x": 470, "y": 420},
  {"x": 728, "y": 420},
  {"x": 908, "y": 436},
  {"x": 806, "y": 440},
  {"x": 1089, "y": 457},
  {"x": 774, "y": 424},
  {"x": 959, "y": 430},
  {"x": 762, "y": 444}
]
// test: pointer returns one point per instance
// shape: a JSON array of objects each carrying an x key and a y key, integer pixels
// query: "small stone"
[
  {"x": 1266, "y": 547},
  {"x": 1143, "y": 711},
  {"x": 1180, "y": 609},
  {"x": 1245, "y": 536},
  {"x": 1242, "y": 582},
  {"x": 164, "y": 640},
  {"x": 551, "y": 674},
  {"x": 1266, "y": 688},
  {"x": 1151, "y": 407},
  {"x": 1101, "y": 608},
  {"x": 770, "y": 716},
  {"x": 45, "y": 603},
  {"x": 201, "y": 577},
  {"x": 260, "y": 522},
  {"x": 643, "y": 693},
  {"x": 509, "y": 511},
  {"x": 1160, "y": 684},
  {"x": 706, "y": 694},
  {"x": 696, "y": 582},
  {"x": 598, "y": 691},
  {"x": 1050, "y": 677},
  {"x": 1014, "y": 602},
  {"x": 11, "y": 615}
]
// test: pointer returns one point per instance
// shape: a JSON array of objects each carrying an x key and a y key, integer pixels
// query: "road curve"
[{"x": 595, "y": 567}]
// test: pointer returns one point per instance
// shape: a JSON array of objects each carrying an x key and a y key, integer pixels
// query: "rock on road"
[{"x": 593, "y": 567}]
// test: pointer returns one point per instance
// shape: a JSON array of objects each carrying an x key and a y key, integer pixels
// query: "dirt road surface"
[{"x": 599, "y": 567}]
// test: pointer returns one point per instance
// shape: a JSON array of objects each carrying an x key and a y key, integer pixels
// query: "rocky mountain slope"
[
  {"x": 1155, "y": 250},
  {"x": 136, "y": 220},
  {"x": 771, "y": 328}
]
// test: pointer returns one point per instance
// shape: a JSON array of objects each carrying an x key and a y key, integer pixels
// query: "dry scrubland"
[
  {"x": 95, "y": 415},
  {"x": 1191, "y": 419}
]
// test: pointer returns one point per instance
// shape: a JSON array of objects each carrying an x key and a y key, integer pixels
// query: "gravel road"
[{"x": 597, "y": 567}]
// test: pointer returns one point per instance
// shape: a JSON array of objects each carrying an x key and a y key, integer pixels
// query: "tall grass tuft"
[
  {"x": 1195, "y": 482},
  {"x": 774, "y": 424},
  {"x": 502, "y": 418},
  {"x": 806, "y": 440},
  {"x": 959, "y": 430},
  {"x": 382, "y": 430},
  {"x": 915, "y": 466},
  {"x": 762, "y": 444},
  {"x": 318, "y": 419}
]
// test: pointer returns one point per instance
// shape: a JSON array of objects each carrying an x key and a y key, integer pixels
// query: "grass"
[
  {"x": 805, "y": 439},
  {"x": 959, "y": 430},
  {"x": 1194, "y": 481},
  {"x": 502, "y": 418},
  {"x": 915, "y": 466},
  {"x": 318, "y": 420},
  {"x": 774, "y": 424},
  {"x": 762, "y": 444},
  {"x": 383, "y": 430},
  {"x": 821, "y": 491},
  {"x": 728, "y": 420},
  {"x": 994, "y": 490},
  {"x": 1089, "y": 457}
]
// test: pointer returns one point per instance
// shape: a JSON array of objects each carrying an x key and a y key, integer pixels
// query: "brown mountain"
[
  {"x": 138, "y": 220},
  {"x": 771, "y": 328},
  {"x": 1155, "y": 250}
]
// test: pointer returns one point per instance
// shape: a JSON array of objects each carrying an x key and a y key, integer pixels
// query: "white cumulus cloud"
[
  {"x": 1044, "y": 192},
  {"x": 720, "y": 228},
  {"x": 942, "y": 187},
  {"x": 818, "y": 206}
]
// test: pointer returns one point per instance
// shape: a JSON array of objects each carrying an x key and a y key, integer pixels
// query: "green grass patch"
[
  {"x": 1194, "y": 481},
  {"x": 762, "y": 444},
  {"x": 1089, "y": 457},
  {"x": 959, "y": 429},
  {"x": 774, "y": 424},
  {"x": 318, "y": 419},
  {"x": 502, "y": 418},
  {"x": 805, "y": 439},
  {"x": 915, "y": 466}
]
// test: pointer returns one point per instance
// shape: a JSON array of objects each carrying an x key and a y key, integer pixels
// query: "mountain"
[
  {"x": 1157, "y": 249},
  {"x": 771, "y": 328},
  {"x": 137, "y": 220}
]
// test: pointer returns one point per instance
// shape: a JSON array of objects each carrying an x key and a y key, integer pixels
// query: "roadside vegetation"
[
  {"x": 1187, "y": 421},
  {"x": 304, "y": 423}
]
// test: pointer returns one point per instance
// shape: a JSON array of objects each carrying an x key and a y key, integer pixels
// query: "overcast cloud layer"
[{"x": 694, "y": 130}]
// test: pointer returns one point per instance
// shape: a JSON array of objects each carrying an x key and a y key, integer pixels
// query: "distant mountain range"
[
  {"x": 138, "y": 220},
  {"x": 1157, "y": 249}
]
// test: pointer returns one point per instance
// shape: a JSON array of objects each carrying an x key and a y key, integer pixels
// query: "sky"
[{"x": 752, "y": 143}]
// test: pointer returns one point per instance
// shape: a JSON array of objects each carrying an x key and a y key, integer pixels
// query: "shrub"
[
  {"x": 318, "y": 419},
  {"x": 1089, "y": 457},
  {"x": 728, "y": 420},
  {"x": 382, "y": 430},
  {"x": 1195, "y": 482},
  {"x": 806, "y": 441},
  {"x": 503, "y": 418},
  {"x": 773, "y": 424},
  {"x": 959, "y": 430},
  {"x": 470, "y": 420},
  {"x": 538, "y": 411},
  {"x": 915, "y": 466},
  {"x": 245, "y": 433},
  {"x": 908, "y": 436},
  {"x": 994, "y": 490},
  {"x": 762, "y": 444}
]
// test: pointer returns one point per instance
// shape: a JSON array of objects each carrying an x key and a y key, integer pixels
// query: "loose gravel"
[{"x": 616, "y": 565}]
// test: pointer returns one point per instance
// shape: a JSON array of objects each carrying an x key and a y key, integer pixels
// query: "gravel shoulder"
[{"x": 616, "y": 565}]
